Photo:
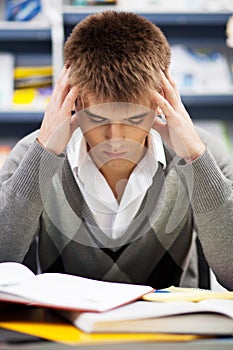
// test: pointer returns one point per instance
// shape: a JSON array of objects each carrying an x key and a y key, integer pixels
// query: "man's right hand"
[{"x": 58, "y": 123}]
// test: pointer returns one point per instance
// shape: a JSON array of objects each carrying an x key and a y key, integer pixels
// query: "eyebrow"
[{"x": 91, "y": 114}]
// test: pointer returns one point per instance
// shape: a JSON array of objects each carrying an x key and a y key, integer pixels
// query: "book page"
[
  {"x": 146, "y": 310},
  {"x": 14, "y": 273},
  {"x": 224, "y": 307},
  {"x": 73, "y": 292},
  {"x": 143, "y": 309}
]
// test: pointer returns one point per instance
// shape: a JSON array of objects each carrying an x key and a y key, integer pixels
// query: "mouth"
[{"x": 114, "y": 155}]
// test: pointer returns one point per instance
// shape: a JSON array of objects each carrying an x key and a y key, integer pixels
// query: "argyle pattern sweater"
[{"x": 41, "y": 202}]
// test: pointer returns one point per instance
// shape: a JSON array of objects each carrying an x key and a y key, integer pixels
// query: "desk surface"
[{"x": 209, "y": 344}]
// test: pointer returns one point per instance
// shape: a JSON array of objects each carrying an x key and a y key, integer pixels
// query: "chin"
[{"x": 120, "y": 164}]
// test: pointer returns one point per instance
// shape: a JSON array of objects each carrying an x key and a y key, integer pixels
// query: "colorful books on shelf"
[
  {"x": 32, "y": 86},
  {"x": 26, "y": 82}
]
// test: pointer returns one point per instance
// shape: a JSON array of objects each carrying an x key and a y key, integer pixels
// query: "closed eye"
[
  {"x": 134, "y": 120},
  {"x": 95, "y": 118},
  {"x": 137, "y": 119}
]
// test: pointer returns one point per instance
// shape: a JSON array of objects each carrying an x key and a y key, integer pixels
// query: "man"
[{"x": 119, "y": 189}]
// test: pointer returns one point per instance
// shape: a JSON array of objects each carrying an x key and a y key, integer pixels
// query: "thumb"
[{"x": 162, "y": 128}]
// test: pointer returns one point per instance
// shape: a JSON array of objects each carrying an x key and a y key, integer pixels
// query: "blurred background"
[{"x": 32, "y": 34}]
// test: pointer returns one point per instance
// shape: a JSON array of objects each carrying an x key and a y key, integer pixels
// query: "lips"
[{"x": 114, "y": 154}]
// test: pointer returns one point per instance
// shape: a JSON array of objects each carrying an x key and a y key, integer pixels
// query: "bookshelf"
[
  {"x": 206, "y": 29},
  {"x": 31, "y": 43},
  {"x": 195, "y": 28}
]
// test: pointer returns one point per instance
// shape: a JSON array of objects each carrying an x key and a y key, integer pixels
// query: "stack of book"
[{"x": 106, "y": 308}]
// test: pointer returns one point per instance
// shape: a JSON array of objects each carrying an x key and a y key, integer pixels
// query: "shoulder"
[
  {"x": 17, "y": 153},
  {"x": 27, "y": 140},
  {"x": 216, "y": 144},
  {"x": 220, "y": 150},
  {"x": 23, "y": 145}
]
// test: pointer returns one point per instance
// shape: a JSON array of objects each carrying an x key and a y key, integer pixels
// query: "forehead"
[{"x": 118, "y": 110}]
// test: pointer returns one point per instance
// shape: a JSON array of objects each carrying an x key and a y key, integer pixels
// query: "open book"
[
  {"x": 61, "y": 291},
  {"x": 173, "y": 293},
  {"x": 207, "y": 317}
]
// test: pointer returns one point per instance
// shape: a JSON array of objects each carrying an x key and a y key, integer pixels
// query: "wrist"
[
  {"x": 190, "y": 158},
  {"x": 47, "y": 147}
]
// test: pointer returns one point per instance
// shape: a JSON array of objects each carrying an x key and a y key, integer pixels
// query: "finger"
[
  {"x": 161, "y": 127},
  {"x": 169, "y": 91},
  {"x": 164, "y": 104},
  {"x": 69, "y": 101},
  {"x": 62, "y": 74},
  {"x": 172, "y": 82},
  {"x": 62, "y": 87}
]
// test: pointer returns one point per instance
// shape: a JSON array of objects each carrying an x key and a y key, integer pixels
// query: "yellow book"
[
  {"x": 23, "y": 72},
  {"x": 173, "y": 293}
]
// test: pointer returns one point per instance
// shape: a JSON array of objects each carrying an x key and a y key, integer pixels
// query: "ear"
[
  {"x": 159, "y": 110},
  {"x": 79, "y": 103}
]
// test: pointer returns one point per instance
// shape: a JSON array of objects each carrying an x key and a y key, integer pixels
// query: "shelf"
[
  {"x": 199, "y": 25},
  {"x": 209, "y": 106},
  {"x": 183, "y": 19},
  {"x": 20, "y": 116},
  {"x": 218, "y": 104},
  {"x": 22, "y": 34},
  {"x": 72, "y": 15},
  {"x": 197, "y": 29},
  {"x": 206, "y": 100}
]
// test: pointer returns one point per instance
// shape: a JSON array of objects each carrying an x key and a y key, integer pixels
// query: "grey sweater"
[{"x": 40, "y": 201}]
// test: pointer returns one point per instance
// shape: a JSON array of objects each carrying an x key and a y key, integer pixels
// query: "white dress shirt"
[{"x": 113, "y": 217}]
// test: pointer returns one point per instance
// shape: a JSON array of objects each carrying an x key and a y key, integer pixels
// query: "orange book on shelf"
[{"x": 4, "y": 151}]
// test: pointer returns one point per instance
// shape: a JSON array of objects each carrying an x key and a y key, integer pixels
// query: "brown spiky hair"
[{"x": 117, "y": 56}]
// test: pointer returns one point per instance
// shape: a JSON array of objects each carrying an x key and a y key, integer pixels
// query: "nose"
[{"x": 114, "y": 131}]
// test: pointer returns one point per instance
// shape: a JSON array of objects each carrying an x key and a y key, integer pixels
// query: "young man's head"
[
  {"x": 116, "y": 60},
  {"x": 117, "y": 57}
]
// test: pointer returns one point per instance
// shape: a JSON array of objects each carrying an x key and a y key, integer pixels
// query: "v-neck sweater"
[{"x": 40, "y": 200}]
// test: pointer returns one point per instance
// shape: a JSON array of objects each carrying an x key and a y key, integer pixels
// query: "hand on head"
[
  {"x": 178, "y": 131},
  {"x": 59, "y": 123}
]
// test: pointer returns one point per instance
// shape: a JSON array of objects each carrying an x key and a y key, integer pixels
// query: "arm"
[
  {"x": 23, "y": 182},
  {"x": 28, "y": 172},
  {"x": 212, "y": 202},
  {"x": 208, "y": 174}
]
